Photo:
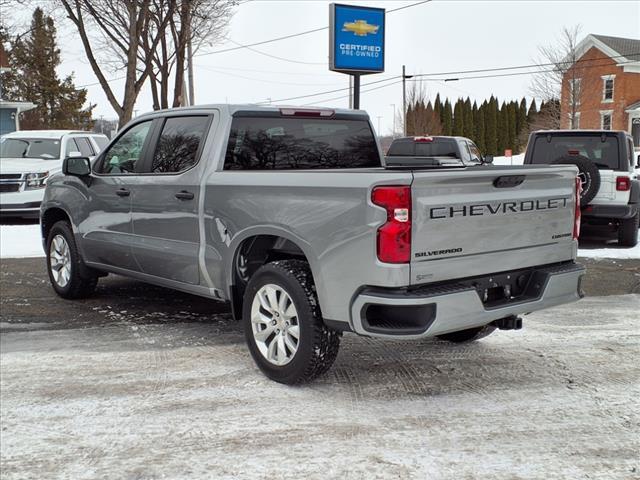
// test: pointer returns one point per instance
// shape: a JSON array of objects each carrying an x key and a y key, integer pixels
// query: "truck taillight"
[
  {"x": 623, "y": 184},
  {"x": 394, "y": 237},
  {"x": 577, "y": 212}
]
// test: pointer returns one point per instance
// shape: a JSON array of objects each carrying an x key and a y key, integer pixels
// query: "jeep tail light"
[
  {"x": 577, "y": 212},
  {"x": 623, "y": 184},
  {"x": 394, "y": 237}
]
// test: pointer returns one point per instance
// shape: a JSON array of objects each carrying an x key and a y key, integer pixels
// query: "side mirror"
[
  {"x": 76, "y": 166},
  {"x": 488, "y": 159}
]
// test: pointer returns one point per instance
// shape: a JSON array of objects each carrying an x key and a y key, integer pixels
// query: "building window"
[
  {"x": 607, "y": 88},
  {"x": 575, "y": 92},
  {"x": 606, "y": 120},
  {"x": 575, "y": 121}
]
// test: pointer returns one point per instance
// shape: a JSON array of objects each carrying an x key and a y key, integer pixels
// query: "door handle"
[
  {"x": 123, "y": 192},
  {"x": 184, "y": 195}
]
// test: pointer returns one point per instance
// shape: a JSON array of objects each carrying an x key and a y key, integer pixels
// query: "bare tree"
[
  {"x": 561, "y": 83},
  {"x": 108, "y": 27},
  {"x": 199, "y": 23}
]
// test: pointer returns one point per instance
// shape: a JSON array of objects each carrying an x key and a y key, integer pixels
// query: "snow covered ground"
[
  {"x": 181, "y": 399},
  {"x": 22, "y": 241}
]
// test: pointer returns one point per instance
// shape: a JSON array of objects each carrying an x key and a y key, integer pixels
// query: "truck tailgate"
[{"x": 490, "y": 219}]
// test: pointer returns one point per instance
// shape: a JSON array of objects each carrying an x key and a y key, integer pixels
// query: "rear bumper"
[
  {"x": 435, "y": 310},
  {"x": 610, "y": 211}
]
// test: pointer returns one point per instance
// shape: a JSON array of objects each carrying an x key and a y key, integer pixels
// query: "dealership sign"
[{"x": 356, "y": 39}]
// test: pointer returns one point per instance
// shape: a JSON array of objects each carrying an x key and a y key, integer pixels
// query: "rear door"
[
  {"x": 166, "y": 237},
  {"x": 490, "y": 219}
]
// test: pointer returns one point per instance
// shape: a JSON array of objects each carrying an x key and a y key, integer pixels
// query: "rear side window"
[
  {"x": 602, "y": 151},
  {"x": 178, "y": 144},
  {"x": 101, "y": 142},
  {"x": 279, "y": 143},
  {"x": 84, "y": 146}
]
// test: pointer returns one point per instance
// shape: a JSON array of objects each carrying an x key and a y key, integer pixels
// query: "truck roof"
[
  {"x": 46, "y": 133},
  {"x": 233, "y": 108},
  {"x": 579, "y": 130}
]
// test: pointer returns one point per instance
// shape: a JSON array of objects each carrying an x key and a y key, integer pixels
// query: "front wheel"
[
  {"x": 628, "y": 231},
  {"x": 283, "y": 325},
  {"x": 468, "y": 335},
  {"x": 69, "y": 276}
]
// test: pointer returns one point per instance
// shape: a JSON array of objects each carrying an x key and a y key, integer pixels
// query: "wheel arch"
[
  {"x": 49, "y": 218},
  {"x": 255, "y": 248}
]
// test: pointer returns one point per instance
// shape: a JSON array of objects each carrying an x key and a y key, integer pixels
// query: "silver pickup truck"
[{"x": 291, "y": 216}]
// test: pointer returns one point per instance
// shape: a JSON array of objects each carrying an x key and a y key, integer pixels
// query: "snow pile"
[
  {"x": 622, "y": 253},
  {"x": 20, "y": 241},
  {"x": 516, "y": 159}
]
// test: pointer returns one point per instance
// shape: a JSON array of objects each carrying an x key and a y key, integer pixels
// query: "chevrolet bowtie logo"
[{"x": 360, "y": 28}]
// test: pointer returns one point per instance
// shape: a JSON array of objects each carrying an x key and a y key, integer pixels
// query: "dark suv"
[{"x": 608, "y": 170}]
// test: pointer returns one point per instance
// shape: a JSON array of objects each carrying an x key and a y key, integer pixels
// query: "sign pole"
[{"x": 356, "y": 91}]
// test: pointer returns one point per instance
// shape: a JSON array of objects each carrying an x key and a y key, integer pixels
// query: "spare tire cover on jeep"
[{"x": 588, "y": 173}]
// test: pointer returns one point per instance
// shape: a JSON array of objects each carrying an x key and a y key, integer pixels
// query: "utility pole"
[
  {"x": 394, "y": 120},
  {"x": 404, "y": 101},
  {"x": 379, "y": 133},
  {"x": 350, "y": 92}
]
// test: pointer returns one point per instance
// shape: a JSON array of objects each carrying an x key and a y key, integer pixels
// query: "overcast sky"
[{"x": 440, "y": 36}]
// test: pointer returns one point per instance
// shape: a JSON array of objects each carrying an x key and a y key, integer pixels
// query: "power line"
[
  {"x": 293, "y": 35},
  {"x": 511, "y": 74},
  {"x": 262, "y": 80},
  {"x": 328, "y": 91},
  {"x": 290, "y": 60},
  {"x": 517, "y": 67},
  {"x": 263, "y": 42},
  {"x": 347, "y": 96}
]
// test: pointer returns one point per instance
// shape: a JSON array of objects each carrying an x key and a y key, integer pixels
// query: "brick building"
[{"x": 602, "y": 88}]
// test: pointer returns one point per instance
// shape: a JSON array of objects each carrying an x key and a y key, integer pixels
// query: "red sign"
[{"x": 508, "y": 153}]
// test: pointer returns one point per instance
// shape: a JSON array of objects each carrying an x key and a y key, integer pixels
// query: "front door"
[
  {"x": 106, "y": 229},
  {"x": 166, "y": 239}
]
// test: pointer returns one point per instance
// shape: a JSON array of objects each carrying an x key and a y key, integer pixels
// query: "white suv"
[
  {"x": 608, "y": 168},
  {"x": 29, "y": 157}
]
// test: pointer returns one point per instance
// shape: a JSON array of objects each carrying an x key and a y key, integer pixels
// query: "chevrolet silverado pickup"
[{"x": 292, "y": 216}]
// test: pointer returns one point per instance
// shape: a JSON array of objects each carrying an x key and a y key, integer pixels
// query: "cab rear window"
[
  {"x": 280, "y": 143},
  {"x": 602, "y": 150},
  {"x": 438, "y": 147}
]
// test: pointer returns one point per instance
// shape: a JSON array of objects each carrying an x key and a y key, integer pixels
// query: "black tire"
[
  {"x": 468, "y": 335},
  {"x": 588, "y": 173},
  {"x": 317, "y": 346},
  {"x": 628, "y": 231},
  {"x": 82, "y": 280}
]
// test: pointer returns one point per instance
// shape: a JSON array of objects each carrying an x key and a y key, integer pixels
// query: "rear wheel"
[
  {"x": 468, "y": 335},
  {"x": 628, "y": 231},
  {"x": 283, "y": 325},
  {"x": 69, "y": 277}
]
